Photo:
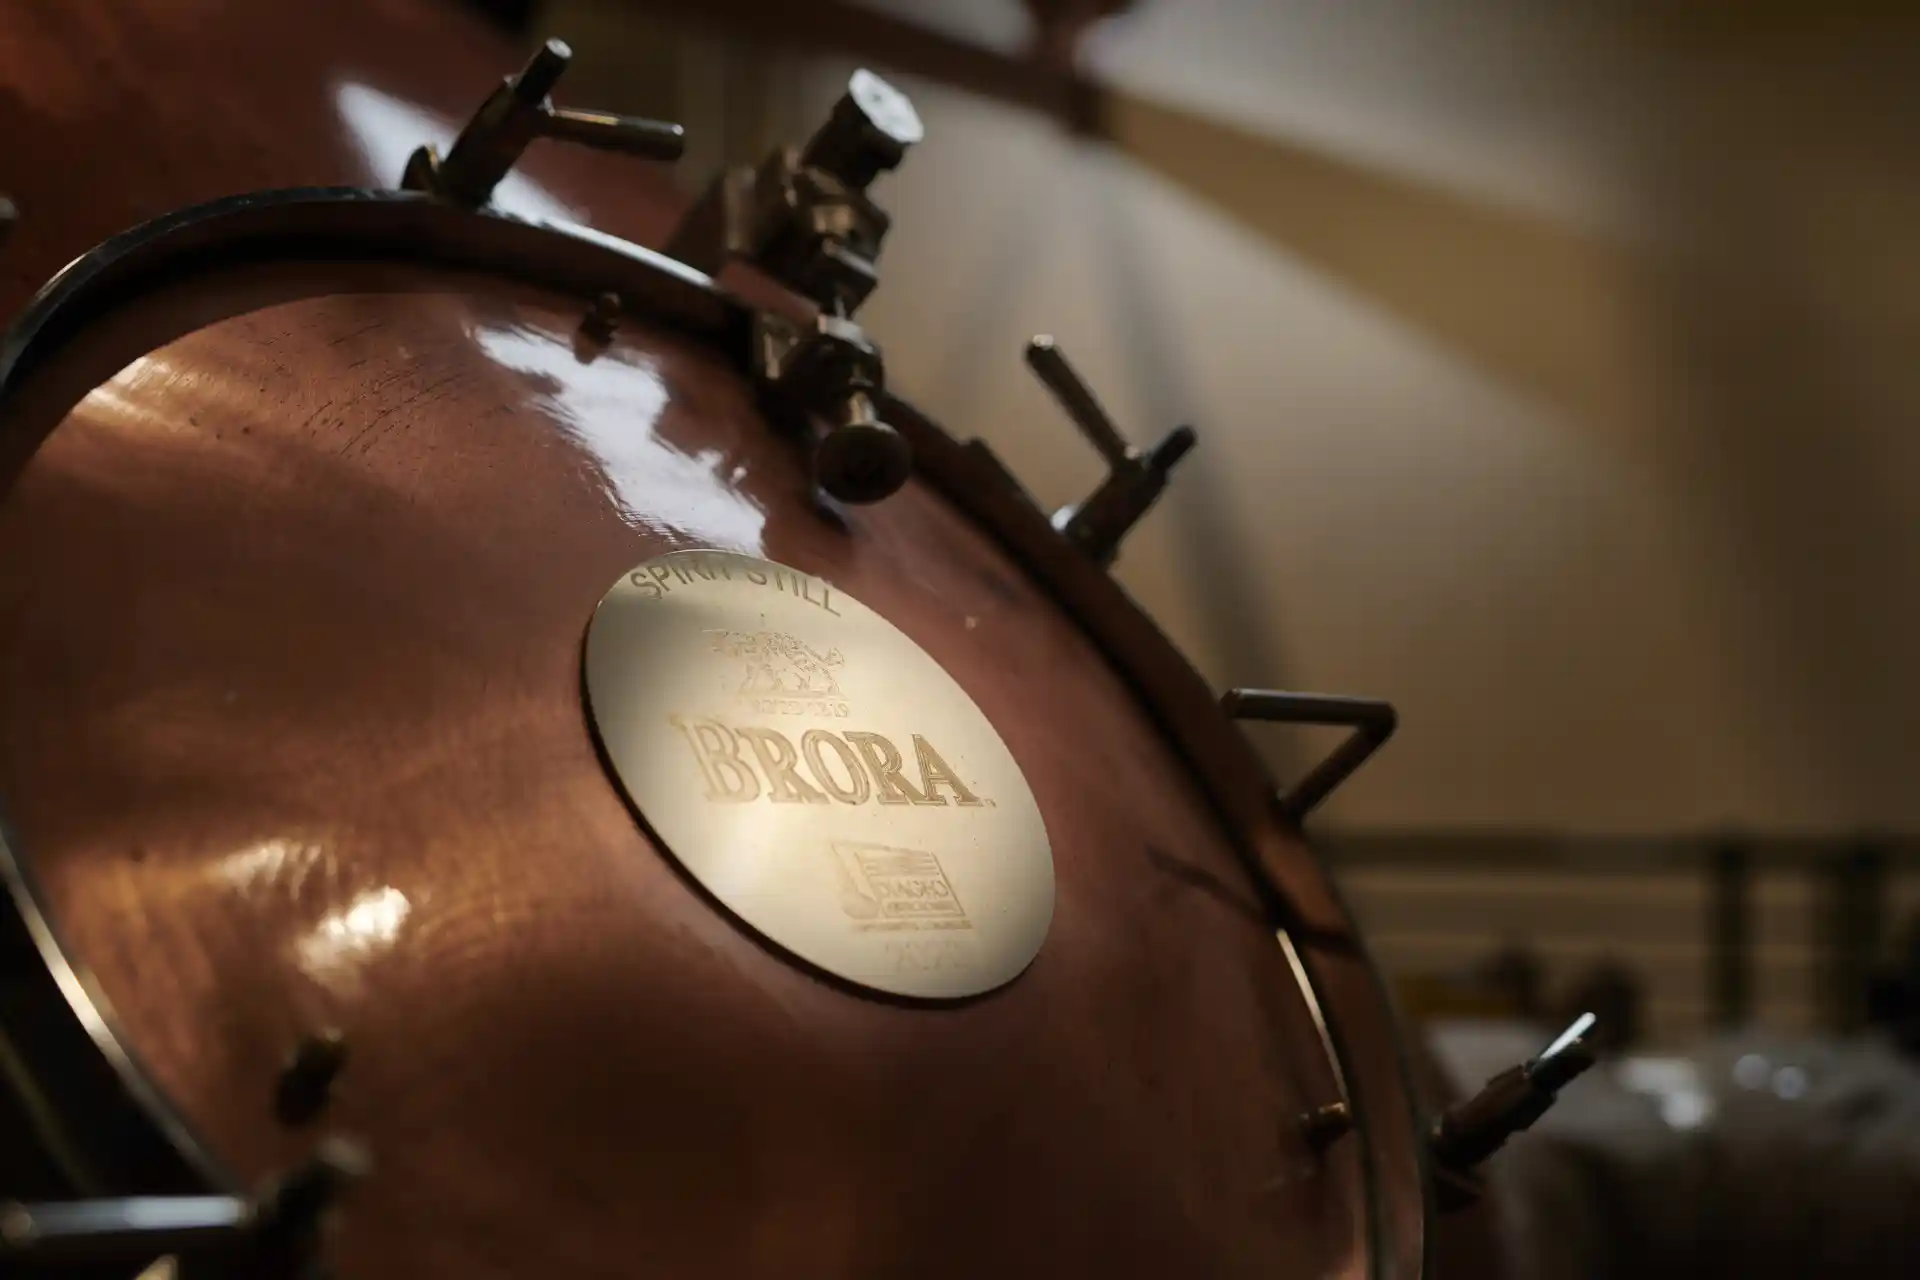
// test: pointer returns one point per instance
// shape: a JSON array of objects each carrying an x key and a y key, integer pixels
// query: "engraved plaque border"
[{"x": 819, "y": 774}]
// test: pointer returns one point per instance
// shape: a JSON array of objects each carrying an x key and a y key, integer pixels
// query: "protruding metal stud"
[
  {"x": 268, "y": 1235},
  {"x": 513, "y": 117},
  {"x": 1373, "y": 722},
  {"x": 305, "y": 1086},
  {"x": 296, "y": 1200},
  {"x": 1325, "y": 1125},
  {"x": 291, "y": 1214},
  {"x": 602, "y": 318},
  {"x": 1135, "y": 479},
  {"x": 1467, "y": 1134},
  {"x": 135, "y": 1228}
]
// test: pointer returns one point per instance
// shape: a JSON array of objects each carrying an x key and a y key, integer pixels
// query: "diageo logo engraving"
[
  {"x": 743, "y": 764},
  {"x": 889, "y": 890},
  {"x": 784, "y": 675}
]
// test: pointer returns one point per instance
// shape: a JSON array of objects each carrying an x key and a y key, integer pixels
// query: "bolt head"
[
  {"x": 862, "y": 460},
  {"x": 868, "y": 133},
  {"x": 1326, "y": 1124},
  {"x": 886, "y": 108}
]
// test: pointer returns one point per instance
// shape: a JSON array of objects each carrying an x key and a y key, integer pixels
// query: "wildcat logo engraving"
[
  {"x": 819, "y": 774},
  {"x": 777, "y": 663}
]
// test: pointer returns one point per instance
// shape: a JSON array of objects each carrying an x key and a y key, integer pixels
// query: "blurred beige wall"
[{"x": 1557, "y": 371}]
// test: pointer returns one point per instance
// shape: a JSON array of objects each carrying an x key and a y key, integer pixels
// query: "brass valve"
[{"x": 803, "y": 216}]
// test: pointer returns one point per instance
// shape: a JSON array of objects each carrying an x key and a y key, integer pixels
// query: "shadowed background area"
[
  {"x": 1553, "y": 374},
  {"x": 1549, "y": 368}
]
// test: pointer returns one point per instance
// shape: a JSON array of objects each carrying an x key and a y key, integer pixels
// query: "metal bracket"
[{"x": 1372, "y": 720}]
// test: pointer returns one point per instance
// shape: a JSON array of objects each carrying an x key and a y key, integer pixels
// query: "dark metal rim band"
[
  {"x": 130, "y": 1136},
  {"x": 1231, "y": 776},
  {"x": 336, "y": 222}
]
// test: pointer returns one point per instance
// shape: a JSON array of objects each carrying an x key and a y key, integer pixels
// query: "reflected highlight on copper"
[
  {"x": 124, "y": 400},
  {"x": 348, "y": 940},
  {"x": 611, "y": 406},
  {"x": 281, "y": 866}
]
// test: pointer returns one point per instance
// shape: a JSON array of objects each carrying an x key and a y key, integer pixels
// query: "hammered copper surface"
[{"x": 290, "y": 625}]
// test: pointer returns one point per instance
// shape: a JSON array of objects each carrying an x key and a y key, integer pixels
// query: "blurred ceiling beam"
[
  {"x": 1043, "y": 80},
  {"x": 1060, "y": 27}
]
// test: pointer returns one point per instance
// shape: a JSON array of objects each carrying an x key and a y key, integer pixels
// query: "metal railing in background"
[{"x": 1854, "y": 896}]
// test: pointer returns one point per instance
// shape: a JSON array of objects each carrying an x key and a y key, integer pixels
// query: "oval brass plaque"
[{"x": 820, "y": 774}]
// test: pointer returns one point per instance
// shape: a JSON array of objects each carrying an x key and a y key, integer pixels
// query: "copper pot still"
[{"x": 518, "y": 761}]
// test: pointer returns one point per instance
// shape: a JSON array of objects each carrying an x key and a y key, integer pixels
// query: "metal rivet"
[
  {"x": 306, "y": 1083},
  {"x": 602, "y": 317},
  {"x": 1323, "y": 1126}
]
